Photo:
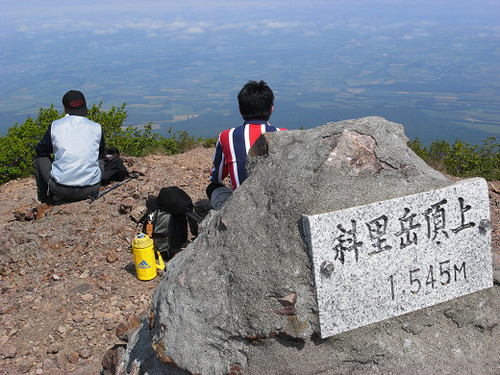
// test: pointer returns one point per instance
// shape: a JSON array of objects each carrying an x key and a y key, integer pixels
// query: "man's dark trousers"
[{"x": 48, "y": 189}]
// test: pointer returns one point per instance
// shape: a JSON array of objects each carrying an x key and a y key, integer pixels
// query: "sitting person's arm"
[
  {"x": 44, "y": 147},
  {"x": 102, "y": 147},
  {"x": 219, "y": 170},
  {"x": 216, "y": 191}
]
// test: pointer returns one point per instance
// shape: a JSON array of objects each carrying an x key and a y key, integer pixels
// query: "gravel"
[{"x": 68, "y": 286}]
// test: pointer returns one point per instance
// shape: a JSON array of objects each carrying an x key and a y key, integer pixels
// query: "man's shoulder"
[
  {"x": 85, "y": 119},
  {"x": 75, "y": 119},
  {"x": 234, "y": 128},
  {"x": 225, "y": 133}
]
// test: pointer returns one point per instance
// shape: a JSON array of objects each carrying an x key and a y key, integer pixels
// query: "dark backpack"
[
  {"x": 114, "y": 169},
  {"x": 170, "y": 214}
]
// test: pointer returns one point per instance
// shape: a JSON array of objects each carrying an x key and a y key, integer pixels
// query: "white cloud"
[
  {"x": 176, "y": 25},
  {"x": 310, "y": 33},
  {"x": 105, "y": 31},
  {"x": 272, "y": 24},
  {"x": 194, "y": 30}
]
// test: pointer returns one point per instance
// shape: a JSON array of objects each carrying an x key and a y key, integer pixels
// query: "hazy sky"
[
  {"x": 191, "y": 17},
  {"x": 52, "y": 20}
]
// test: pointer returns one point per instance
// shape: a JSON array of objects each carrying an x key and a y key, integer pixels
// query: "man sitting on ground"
[
  {"x": 255, "y": 101},
  {"x": 76, "y": 142}
]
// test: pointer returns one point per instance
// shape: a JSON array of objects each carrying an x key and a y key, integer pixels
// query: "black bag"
[
  {"x": 114, "y": 169},
  {"x": 169, "y": 232},
  {"x": 170, "y": 214}
]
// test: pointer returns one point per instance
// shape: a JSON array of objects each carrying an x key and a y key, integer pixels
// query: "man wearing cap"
[{"x": 76, "y": 142}]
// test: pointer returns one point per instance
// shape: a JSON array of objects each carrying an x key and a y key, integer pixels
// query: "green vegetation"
[
  {"x": 17, "y": 148},
  {"x": 462, "y": 159}
]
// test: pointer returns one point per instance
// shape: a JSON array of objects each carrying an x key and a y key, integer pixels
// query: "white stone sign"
[{"x": 385, "y": 259}]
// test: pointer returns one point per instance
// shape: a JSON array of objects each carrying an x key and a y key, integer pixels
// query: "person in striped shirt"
[{"x": 256, "y": 104}]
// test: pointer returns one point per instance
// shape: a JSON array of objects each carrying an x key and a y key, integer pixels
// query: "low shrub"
[
  {"x": 17, "y": 148},
  {"x": 462, "y": 159}
]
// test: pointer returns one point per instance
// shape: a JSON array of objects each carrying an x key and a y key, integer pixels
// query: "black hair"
[{"x": 256, "y": 101}]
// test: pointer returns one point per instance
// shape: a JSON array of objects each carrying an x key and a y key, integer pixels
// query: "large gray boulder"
[{"x": 241, "y": 298}]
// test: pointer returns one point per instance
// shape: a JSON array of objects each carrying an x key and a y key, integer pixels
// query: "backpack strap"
[{"x": 194, "y": 216}]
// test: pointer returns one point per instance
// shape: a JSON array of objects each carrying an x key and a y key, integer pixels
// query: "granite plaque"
[{"x": 385, "y": 259}]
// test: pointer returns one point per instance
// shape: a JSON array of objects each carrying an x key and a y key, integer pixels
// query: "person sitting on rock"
[
  {"x": 255, "y": 101},
  {"x": 76, "y": 142}
]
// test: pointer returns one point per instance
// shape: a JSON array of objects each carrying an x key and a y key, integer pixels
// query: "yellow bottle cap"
[{"x": 142, "y": 241}]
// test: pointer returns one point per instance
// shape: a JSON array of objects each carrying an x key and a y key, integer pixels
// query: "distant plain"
[{"x": 436, "y": 70}]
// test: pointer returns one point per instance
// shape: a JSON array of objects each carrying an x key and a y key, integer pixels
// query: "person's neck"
[{"x": 256, "y": 121}]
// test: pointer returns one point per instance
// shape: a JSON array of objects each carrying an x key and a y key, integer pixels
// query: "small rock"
[
  {"x": 73, "y": 357},
  {"x": 54, "y": 348},
  {"x": 78, "y": 318},
  {"x": 24, "y": 213},
  {"x": 137, "y": 213},
  {"x": 126, "y": 206},
  {"x": 81, "y": 288},
  {"x": 87, "y": 297},
  {"x": 60, "y": 359},
  {"x": 496, "y": 276},
  {"x": 125, "y": 329},
  {"x": 26, "y": 365},
  {"x": 8, "y": 309},
  {"x": 112, "y": 257},
  {"x": 85, "y": 274},
  {"x": 288, "y": 300},
  {"x": 42, "y": 210},
  {"x": 108, "y": 326},
  {"x": 8, "y": 351},
  {"x": 85, "y": 353},
  {"x": 494, "y": 186},
  {"x": 111, "y": 359},
  {"x": 56, "y": 277},
  {"x": 47, "y": 363},
  {"x": 140, "y": 168}
]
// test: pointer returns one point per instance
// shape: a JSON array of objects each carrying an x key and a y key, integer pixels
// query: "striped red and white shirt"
[{"x": 232, "y": 149}]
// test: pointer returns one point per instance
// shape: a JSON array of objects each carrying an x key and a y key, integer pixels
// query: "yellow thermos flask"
[{"x": 144, "y": 257}]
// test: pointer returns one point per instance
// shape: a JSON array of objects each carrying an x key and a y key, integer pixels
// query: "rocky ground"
[{"x": 69, "y": 293}]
